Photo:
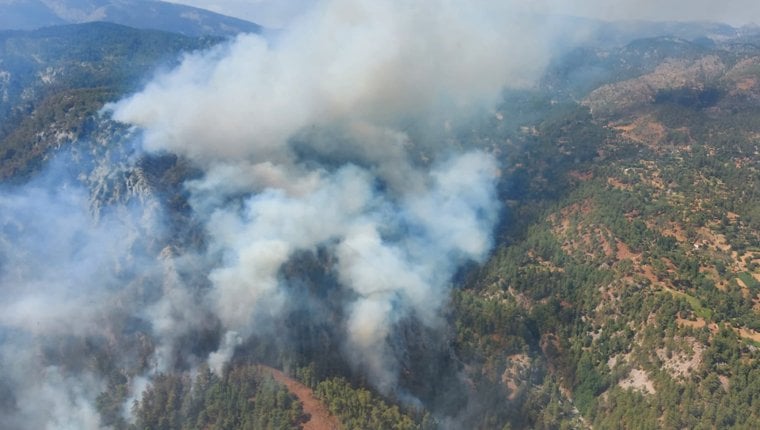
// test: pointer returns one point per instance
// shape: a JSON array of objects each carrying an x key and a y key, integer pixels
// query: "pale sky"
[
  {"x": 734, "y": 12},
  {"x": 269, "y": 13},
  {"x": 278, "y": 13}
]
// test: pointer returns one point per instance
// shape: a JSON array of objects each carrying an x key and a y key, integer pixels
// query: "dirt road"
[{"x": 320, "y": 417}]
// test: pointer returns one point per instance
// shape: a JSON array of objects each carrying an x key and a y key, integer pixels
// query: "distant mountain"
[
  {"x": 53, "y": 79},
  {"x": 143, "y": 14},
  {"x": 609, "y": 34}
]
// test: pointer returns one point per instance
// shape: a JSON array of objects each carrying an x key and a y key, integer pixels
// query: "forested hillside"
[
  {"x": 53, "y": 81},
  {"x": 623, "y": 290},
  {"x": 628, "y": 282}
]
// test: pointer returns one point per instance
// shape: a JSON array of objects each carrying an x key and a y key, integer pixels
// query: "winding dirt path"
[{"x": 320, "y": 417}]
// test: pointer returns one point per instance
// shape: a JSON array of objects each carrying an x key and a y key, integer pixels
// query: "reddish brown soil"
[
  {"x": 699, "y": 323},
  {"x": 320, "y": 417},
  {"x": 615, "y": 183},
  {"x": 748, "y": 334},
  {"x": 581, "y": 176},
  {"x": 676, "y": 231},
  {"x": 746, "y": 84}
]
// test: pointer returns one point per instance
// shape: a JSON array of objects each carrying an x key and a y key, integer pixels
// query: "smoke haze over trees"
[
  {"x": 302, "y": 148},
  {"x": 439, "y": 214}
]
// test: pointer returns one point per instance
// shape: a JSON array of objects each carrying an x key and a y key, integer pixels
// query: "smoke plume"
[
  {"x": 311, "y": 131},
  {"x": 66, "y": 276},
  {"x": 335, "y": 138}
]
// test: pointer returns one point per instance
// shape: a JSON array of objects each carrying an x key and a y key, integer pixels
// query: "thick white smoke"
[
  {"x": 347, "y": 60},
  {"x": 65, "y": 275},
  {"x": 309, "y": 130}
]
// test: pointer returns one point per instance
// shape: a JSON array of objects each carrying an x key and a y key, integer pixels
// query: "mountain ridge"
[{"x": 142, "y": 14}]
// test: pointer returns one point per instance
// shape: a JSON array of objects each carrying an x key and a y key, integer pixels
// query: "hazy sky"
[
  {"x": 736, "y": 12},
  {"x": 277, "y": 13},
  {"x": 270, "y": 13}
]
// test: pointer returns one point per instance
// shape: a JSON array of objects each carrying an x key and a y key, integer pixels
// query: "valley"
[{"x": 584, "y": 252}]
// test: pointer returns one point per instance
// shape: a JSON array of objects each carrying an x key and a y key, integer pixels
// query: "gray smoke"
[
  {"x": 310, "y": 128},
  {"x": 347, "y": 62},
  {"x": 66, "y": 275},
  {"x": 336, "y": 138}
]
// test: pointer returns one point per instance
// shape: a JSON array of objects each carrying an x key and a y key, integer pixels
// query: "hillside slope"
[
  {"x": 54, "y": 80},
  {"x": 143, "y": 14},
  {"x": 628, "y": 282}
]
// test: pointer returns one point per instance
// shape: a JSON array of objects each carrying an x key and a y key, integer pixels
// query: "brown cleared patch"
[
  {"x": 563, "y": 218},
  {"x": 650, "y": 175},
  {"x": 638, "y": 380},
  {"x": 748, "y": 334},
  {"x": 745, "y": 289},
  {"x": 675, "y": 231},
  {"x": 584, "y": 208},
  {"x": 588, "y": 241},
  {"x": 613, "y": 361},
  {"x": 624, "y": 252},
  {"x": 671, "y": 267},
  {"x": 319, "y": 417},
  {"x": 615, "y": 183},
  {"x": 746, "y": 84},
  {"x": 521, "y": 299},
  {"x": 698, "y": 324},
  {"x": 606, "y": 245},
  {"x": 515, "y": 374},
  {"x": 623, "y": 128},
  {"x": 625, "y": 96},
  {"x": 581, "y": 176},
  {"x": 578, "y": 237},
  {"x": 632, "y": 215},
  {"x": 724, "y": 381},
  {"x": 545, "y": 264},
  {"x": 715, "y": 240},
  {"x": 648, "y": 273},
  {"x": 742, "y": 162},
  {"x": 644, "y": 130},
  {"x": 742, "y": 263},
  {"x": 742, "y": 332}
]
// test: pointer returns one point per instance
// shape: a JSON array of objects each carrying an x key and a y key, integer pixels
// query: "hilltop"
[{"x": 143, "y": 14}]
